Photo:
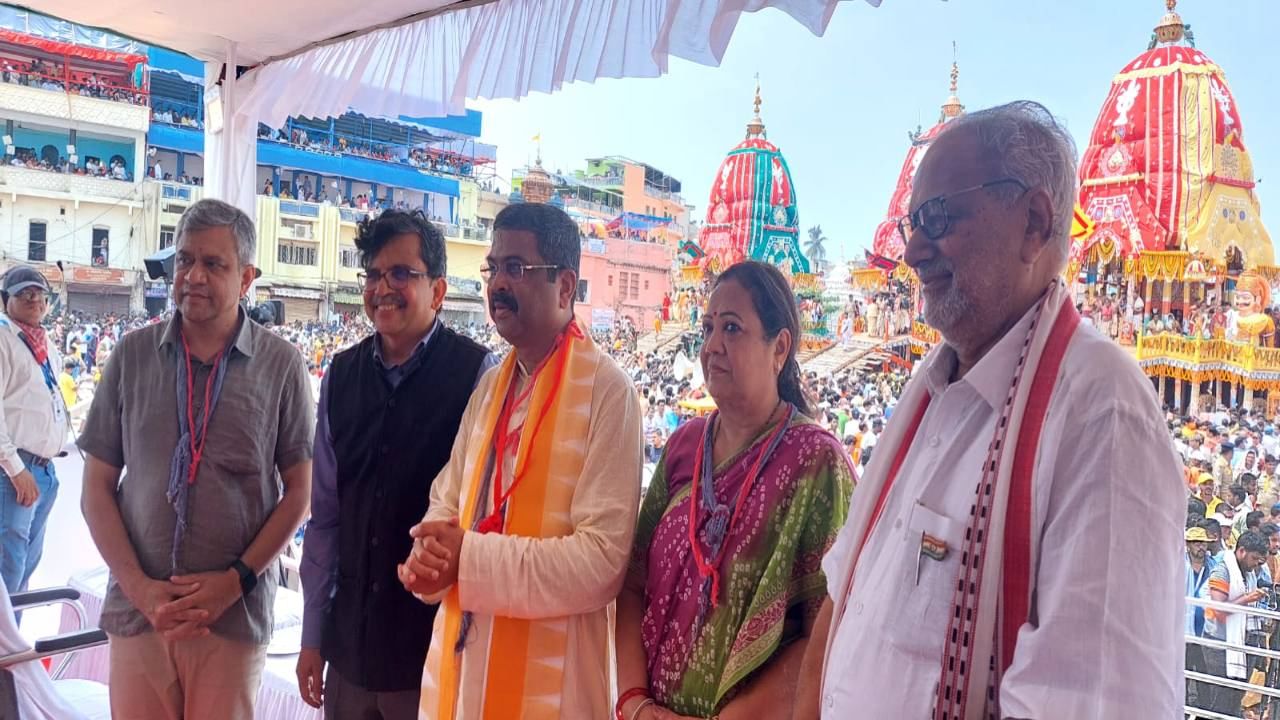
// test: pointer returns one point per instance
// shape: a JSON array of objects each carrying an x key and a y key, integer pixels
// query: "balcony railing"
[
  {"x": 579, "y": 203},
  {"x": 601, "y": 180},
  {"x": 17, "y": 179},
  {"x": 661, "y": 194},
  {"x": 73, "y": 106},
  {"x": 1195, "y": 354},
  {"x": 299, "y": 208},
  {"x": 476, "y": 234},
  {"x": 177, "y": 191}
]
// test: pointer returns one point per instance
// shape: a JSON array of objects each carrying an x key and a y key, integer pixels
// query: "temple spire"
[
  {"x": 953, "y": 108},
  {"x": 1171, "y": 28},
  {"x": 755, "y": 128}
]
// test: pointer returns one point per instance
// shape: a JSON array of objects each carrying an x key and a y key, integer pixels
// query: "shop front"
[
  {"x": 347, "y": 301},
  {"x": 155, "y": 297},
  {"x": 100, "y": 291},
  {"x": 463, "y": 303},
  {"x": 300, "y": 304}
]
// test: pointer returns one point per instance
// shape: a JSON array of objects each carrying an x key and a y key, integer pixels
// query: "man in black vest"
[{"x": 389, "y": 409}]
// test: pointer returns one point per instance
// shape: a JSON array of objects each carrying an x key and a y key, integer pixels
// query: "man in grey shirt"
[{"x": 212, "y": 417}]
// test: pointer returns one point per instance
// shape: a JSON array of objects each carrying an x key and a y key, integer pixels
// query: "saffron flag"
[
  {"x": 881, "y": 262},
  {"x": 1081, "y": 225}
]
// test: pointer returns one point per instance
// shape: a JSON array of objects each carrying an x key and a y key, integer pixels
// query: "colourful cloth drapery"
[{"x": 772, "y": 580}]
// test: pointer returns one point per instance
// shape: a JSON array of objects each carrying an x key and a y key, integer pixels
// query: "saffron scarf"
[
  {"x": 993, "y": 598},
  {"x": 524, "y": 658}
]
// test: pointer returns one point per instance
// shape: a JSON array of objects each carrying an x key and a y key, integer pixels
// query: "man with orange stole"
[{"x": 528, "y": 534}]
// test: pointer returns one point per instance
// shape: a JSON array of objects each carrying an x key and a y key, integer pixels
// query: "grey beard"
[{"x": 947, "y": 312}]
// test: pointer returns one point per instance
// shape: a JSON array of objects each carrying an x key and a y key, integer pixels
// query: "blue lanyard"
[{"x": 50, "y": 381}]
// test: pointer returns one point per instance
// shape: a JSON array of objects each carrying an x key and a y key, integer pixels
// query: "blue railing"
[
  {"x": 175, "y": 192},
  {"x": 304, "y": 209}
]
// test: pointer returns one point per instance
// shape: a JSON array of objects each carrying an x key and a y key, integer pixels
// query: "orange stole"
[{"x": 525, "y": 661}]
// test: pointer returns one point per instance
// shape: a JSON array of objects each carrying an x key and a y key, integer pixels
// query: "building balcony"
[
  {"x": 477, "y": 233},
  {"x": 661, "y": 194},
  {"x": 589, "y": 206},
  {"x": 81, "y": 187},
  {"x": 72, "y": 106},
  {"x": 299, "y": 208},
  {"x": 449, "y": 230},
  {"x": 180, "y": 193}
]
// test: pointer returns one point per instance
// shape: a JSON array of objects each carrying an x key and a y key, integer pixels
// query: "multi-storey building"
[
  {"x": 318, "y": 179},
  {"x": 633, "y": 220},
  {"x": 71, "y": 200},
  {"x": 103, "y": 152}
]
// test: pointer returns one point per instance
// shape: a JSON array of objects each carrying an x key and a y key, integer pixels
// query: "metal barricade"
[{"x": 1269, "y": 690}]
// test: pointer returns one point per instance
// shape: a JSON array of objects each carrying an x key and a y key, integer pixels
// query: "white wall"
[{"x": 69, "y": 230}]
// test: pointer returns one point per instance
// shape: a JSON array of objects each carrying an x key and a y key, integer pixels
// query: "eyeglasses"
[
  {"x": 513, "y": 269},
  {"x": 397, "y": 277},
  {"x": 932, "y": 218},
  {"x": 33, "y": 295}
]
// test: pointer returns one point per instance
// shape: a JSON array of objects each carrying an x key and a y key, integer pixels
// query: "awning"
[
  {"x": 84, "y": 52},
  {"x": 465, "y": 306},
  {"x": 346, "y": 298},
  {"x": 98, "y": 289}
]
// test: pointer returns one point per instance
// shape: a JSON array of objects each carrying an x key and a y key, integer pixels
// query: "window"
[
  {"x": 291, "y": 254},
  {"x": 36, "y": 239},
  {"x": 100, "y": 254},
  {"x": 635, "y": 285},
  {"x": 300, "y": 230},
  {"x": 166, "y": 236},
  {"x": 646, "y": 284},
  {"x": 610, "y": 281},
  {"x": 349, "y": 257},
  {"x": 584, "y": 291}
]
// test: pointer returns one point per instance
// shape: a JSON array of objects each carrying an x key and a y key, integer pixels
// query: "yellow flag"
[{"x": 537, "y": 138}]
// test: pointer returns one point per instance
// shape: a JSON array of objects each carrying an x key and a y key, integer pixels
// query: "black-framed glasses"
[
  {"x": 932, "y": 218},
  {"x": 512, "y": 268},
  {"x": 32, "y": 294},
  {"x": 397, "y": 277}
]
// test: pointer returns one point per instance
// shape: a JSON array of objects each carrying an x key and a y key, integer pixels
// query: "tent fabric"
[{"x": 503, "y": 49}]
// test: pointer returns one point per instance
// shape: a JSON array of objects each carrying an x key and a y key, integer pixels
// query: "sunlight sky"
[{"x": 840, "y": 106}]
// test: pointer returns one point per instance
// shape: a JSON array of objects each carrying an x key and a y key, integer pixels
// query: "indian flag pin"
[{"x": 933, "y": 547}]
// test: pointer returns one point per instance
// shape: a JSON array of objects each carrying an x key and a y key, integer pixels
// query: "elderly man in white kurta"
[{"x": 1013, "y": 550}]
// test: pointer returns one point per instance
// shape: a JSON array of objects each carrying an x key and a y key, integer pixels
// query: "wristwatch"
[{"x": 248, "y": 578}]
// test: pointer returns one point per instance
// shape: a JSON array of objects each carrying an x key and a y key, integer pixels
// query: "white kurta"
[
  {"x": 574, "y": 578},
  {"x": 1109, "y": 509}
]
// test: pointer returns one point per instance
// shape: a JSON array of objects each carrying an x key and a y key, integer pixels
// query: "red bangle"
[{"x": 635, "y": 692}]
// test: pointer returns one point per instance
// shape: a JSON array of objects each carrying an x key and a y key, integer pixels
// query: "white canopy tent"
[{"x": 421, "y": 58}]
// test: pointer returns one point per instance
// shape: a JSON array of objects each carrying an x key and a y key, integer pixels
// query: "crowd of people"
[
  {"x": 115, "y": 169},
  {"x": 53, "y": 75},
  {"x": 170, "y": 114},
  {"x": 882, "y": 314},
  {"x": 1008, "y": 551},
  {"x": 1233, "y": 552},
  {"x": 418, "y": 157}
]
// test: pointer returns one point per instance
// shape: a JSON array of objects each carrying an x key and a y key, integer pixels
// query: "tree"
[{"x": 815, "y": 247}]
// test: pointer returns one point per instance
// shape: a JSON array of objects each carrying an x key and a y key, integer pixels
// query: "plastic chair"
[{"x": 27, "y": 691}]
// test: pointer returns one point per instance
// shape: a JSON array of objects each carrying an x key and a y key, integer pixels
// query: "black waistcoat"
[{"x": 389, "y": 444}]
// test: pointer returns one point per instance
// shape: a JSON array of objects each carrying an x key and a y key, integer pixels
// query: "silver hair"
[
  {"x": 211, "y": 213},
  {"x": 1026, "y": 142}
]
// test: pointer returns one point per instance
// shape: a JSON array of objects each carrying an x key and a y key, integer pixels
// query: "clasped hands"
[
  {"x": 184, "y": 606},
  {"x": 432, "y": 564}
]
